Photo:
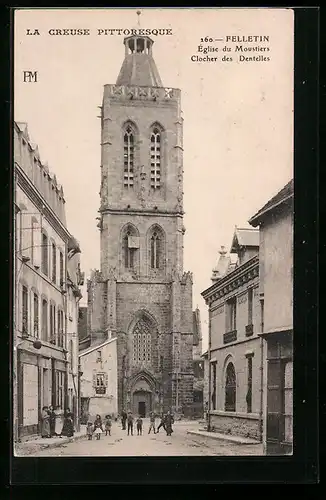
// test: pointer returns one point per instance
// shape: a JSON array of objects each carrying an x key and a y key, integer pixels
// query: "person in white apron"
[
  {"x": 98, "y": 428},
  {"x": 58, "y": 421}
]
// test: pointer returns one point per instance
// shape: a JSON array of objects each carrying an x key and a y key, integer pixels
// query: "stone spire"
[{"x": 138, "y": 67}]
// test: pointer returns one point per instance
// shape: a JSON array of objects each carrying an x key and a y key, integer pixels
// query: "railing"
[{"x": 230, "y": 336}]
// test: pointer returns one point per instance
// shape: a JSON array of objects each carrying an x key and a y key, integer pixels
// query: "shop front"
[
  {"x": 40, "y": 382},
  {"x": 279, "y": 414}
]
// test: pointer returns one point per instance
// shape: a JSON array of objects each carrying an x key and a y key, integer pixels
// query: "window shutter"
[
  {"x": 94, "y": 379},
  {"x": 37, "y": 244},
  {"x": 105, "y": 379}
]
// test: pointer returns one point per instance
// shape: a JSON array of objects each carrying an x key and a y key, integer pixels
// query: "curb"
[
  {"x": 32, "y": 447},
  {"x": 225, "y": 437}
]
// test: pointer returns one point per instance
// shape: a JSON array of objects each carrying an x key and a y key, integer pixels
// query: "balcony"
[
  {"x": 230, "y": 337},
  {"x": 249, "y": 330}
]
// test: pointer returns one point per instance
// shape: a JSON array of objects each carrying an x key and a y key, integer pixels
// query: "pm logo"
[{"x": 29, "y": 76}]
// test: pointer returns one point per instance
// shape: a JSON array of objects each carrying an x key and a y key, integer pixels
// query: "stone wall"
[{"x": 236, "y": 424}]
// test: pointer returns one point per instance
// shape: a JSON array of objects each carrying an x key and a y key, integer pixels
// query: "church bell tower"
[{"x": 146, "y": 298}]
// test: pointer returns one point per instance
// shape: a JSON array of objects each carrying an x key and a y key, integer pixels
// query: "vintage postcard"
[{"x": 153, "y": 269}]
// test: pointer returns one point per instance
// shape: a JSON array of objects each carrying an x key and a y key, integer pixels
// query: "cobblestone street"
[{"x": 179, "y": 444}]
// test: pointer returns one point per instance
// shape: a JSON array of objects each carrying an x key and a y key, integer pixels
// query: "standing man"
[
  {"x": 123, "y": 419},
  {"x": 151, "y": 422},
  {"x": 130, "y": 420}
]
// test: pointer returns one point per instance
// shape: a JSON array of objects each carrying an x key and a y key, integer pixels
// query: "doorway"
[
  {"x": 142, "y": 409},
  {"x": 142, "y": 403}
]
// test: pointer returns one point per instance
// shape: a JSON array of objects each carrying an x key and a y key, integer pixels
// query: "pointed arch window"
[
  {"x": 155, "y": 242},
  {"x": 128, "y": 252},
  {"x": 128, "y": 156},
  {"x": 155, "y": 250},
  {"x": 156, "y": 158},
  {"x": 230, "y": 388},
  {"x": 142, "y": 342}
]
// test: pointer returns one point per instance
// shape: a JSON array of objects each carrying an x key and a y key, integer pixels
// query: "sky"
[{"x": 238, "y": 116}]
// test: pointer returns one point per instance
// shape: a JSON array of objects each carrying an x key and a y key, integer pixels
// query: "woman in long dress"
[
  {"x": 52, "y": 420},
  {"x": 45, "y": 431},
  {"x": 58, "y": 421},
  {"x": 68, "y": 425},
  {"x": 169, "y": 420}
]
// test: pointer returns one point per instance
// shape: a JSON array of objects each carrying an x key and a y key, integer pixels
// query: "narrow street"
[{"x": 179, "y": 444}]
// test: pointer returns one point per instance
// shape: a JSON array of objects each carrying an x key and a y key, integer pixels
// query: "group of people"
[
  {"x": 56, "y": 422},
  {"x": 166, "y": 422},
  {"x": 96, "y": 428}
]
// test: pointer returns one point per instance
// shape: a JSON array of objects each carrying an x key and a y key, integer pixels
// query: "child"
[
  {"x": 108, "y": 425},
  {"x": 139, "y": 422},
  {"x": 151, "y": 422},
  {"x": 89, "y": 431},
  {"x": 98, "y": 429}
]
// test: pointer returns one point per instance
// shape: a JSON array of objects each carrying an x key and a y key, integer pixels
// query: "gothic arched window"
[
  {"x": 230, "y": 388},
  {"x": 128, "y": 252},
  {"x": 156, "y": 247},
  {"x": 142, "y": 342},
  {"x": 128, "y": 155},
  {"x": 130, "y": 245},
  {"x": 156, "y": 137},
  {"x": 155, "y": 251}
]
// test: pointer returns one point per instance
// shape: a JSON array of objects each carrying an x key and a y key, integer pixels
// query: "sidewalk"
[
  {"x": 224, "y": 437},
  {"x": 38, "y": 443}
]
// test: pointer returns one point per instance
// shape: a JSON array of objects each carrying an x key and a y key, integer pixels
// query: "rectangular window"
[
  {"x": 21, "y": 231},
  {"x": 250, "y": 301},
  {"x": 45, "y": 255},
  {"x": 100, "y": 383},
  {"x": 60, "y": 328},
  {"x": 59, "y": 383},
  {"x": 72, "y": 361},
  {"x": 54, "y": 263},
  {"x": 288, "y": 402},
  {"x": 52, "y": 324},
  {"x": 231, "y": 311},
  {"x": 61, "y": 269},
  {"x": 36, "y": 316},
  {"x": 262, "y": 315},
  {"x": 32, "y": 241},
  {"x": 44, "y": 319},
  {"x": 24, "y": 310},
  {"x": 249, "y": 385}
]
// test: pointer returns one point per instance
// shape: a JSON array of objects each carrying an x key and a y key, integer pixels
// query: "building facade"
[
  {"x": 99, "y": 385},
  {"x": 46, "y": 291},
  {"x": 141, "y": 293},
  {"x": 235, "y": 349},
  {"x": 275, "y": 221}
]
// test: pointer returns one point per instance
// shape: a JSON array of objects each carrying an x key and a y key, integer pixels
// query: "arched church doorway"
[
  {"x": 142, "y": 398},
  {"x": 142, "y": 403}
]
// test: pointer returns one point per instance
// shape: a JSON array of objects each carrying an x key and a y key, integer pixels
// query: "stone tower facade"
[{"x": 142, "y": 295}]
